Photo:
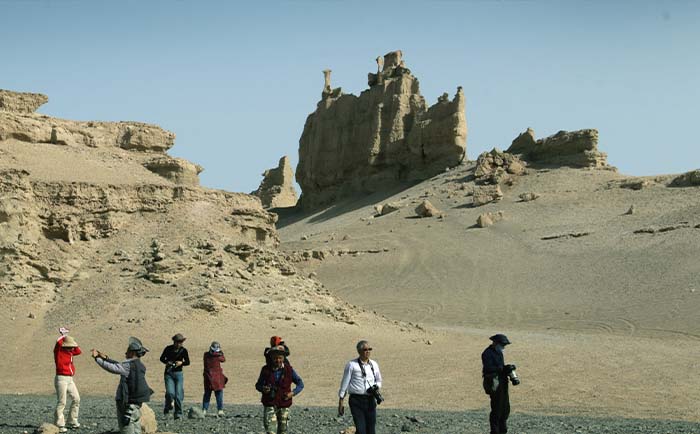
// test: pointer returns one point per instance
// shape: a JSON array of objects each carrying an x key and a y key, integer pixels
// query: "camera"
[
  {"x": 169, "y": 366},
  {"x": 374, "y": 391},
  {"x": 510, "y": 370},
  {"x": 126, "y": 419}
]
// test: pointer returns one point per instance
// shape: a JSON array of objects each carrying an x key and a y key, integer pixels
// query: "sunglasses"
[{"x": 367, "y": 349}]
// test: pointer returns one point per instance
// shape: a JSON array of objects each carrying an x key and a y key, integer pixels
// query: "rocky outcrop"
[
  {"x": 488, "y": 219},
  {"x": 497, "y": 167},
  {"x": 362, "y": 144},
  {"x": 572, "y": 149},
  {"x": 176, "y": 170},
  {"x": 688, "y": 179},
  {"x": 486, "y": 194},
  {"x": 21, "y": 102},
  {"x": 36, "y": 128},
  {"x": 277, "y": 187}
]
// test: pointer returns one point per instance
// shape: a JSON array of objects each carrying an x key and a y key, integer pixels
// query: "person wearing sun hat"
[
  {"x": 174, "y": 357},
  {"x": 214, "y": 378},
  {"x": 496, "y": 375},
  {"x": 63, "y": 351},
  {"x": 275, "y": 385}
]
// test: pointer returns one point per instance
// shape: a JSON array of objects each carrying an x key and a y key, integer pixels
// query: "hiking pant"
[
  {"x": 500, "y": 409},
  {"x": 174, "y": 392},
  {"x": 275, "y": 414},
  {"x": 66, "y": 387},
  {"x": 364, "y": 413},
  {"x": 134, "y": 425},
  {"x": 219, "y": 394}
]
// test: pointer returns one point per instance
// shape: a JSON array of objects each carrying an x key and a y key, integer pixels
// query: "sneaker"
[
  {"x": 62, "y": 429},
  {"x": 204, "y": 412},
  {"x": 220, "y": 413},
  {"x": 75, "y": 425}
]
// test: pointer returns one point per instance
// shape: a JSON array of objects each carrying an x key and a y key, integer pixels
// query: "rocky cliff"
[
  {"x": 362, "y": 144},
  {"x": 277, "y": 187},
  {"x": 565, "y": 148}
]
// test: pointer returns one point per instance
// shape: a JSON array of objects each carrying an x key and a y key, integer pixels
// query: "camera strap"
[{"x": 364, "y": 374}]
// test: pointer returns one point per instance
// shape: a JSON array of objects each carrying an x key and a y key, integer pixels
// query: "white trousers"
[{"x": 66, "y": 387}]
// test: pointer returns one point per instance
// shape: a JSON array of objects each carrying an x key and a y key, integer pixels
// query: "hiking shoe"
[
  {"x": 204, "y": 412},
  {"x": 220, "y": 413},
  {"x": 62, "y": 429},
  {"x": 75, "y": 425}
]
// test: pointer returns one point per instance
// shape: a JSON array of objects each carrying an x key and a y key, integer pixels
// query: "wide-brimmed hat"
[
  {"x": 215, "y": 347},
  {"x": 500, "y": 339},
  {"x": 136, "y": 345},
  {"x": 178, "y": 338},
  {"x": 69, "y": 342},
  {"x": 279, "y": 349}
]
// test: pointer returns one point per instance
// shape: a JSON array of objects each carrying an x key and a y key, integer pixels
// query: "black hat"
[{"x": 500, "y": 339}]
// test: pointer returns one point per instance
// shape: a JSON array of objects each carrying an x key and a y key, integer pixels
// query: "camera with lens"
[
  {"x": 374, "y": 391},
  {"x": 126, "y": 418},
  {"x": 169, "y": 366},
  {"x": 510, "y": 371}
]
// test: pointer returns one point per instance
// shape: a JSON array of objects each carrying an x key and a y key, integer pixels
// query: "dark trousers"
[
  {"x": 500, "y": 409},
  {"x": 364, "y": 413}
]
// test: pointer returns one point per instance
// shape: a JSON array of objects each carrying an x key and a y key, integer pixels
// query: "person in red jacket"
[
  {"x": 275, "y": 384},
  {"x": 214, "y": 378},
  {"x": 66, "y": 347}
]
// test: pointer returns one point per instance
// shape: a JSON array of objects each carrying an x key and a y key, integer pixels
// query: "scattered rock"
[
  {"x": 46, "y": 428},
  {"x": 527, "y": 197},
  {"x": 630, "y": 211},
  {"x": 496, "y": 167},
  {"x": 427, "y": 209},
  {"x": 149, "y": 424},
  {"x": 486, "y": 194},
  {"x": 387, "y": 208},
  {"x": 637, "y": 184},
  {"x": 489, "y": 218},
  {"x": 195, "y": 412}
]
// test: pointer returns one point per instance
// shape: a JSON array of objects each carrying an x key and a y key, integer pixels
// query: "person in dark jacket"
[
  {"x": 214, "y": 378},
  {"x": 174, "y": 357},
  {"x": 275, "y": 384},
  {"x": 133, "y": 389},
  {"x": 496, "y": 373}
]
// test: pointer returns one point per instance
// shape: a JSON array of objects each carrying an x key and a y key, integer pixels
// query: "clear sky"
[{"x": 235, "y": 80}]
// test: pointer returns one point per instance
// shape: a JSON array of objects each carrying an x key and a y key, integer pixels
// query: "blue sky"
[{"x": 235, "y": 80}]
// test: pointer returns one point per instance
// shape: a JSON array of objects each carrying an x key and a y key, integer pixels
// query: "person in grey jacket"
[{"x": 133, "y": 389}]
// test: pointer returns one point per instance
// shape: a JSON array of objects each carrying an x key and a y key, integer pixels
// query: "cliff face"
[
  {"x": 69, "y": 188},
  {"x": 358, "y": 145},
  {"x": 277, "y": 187}
]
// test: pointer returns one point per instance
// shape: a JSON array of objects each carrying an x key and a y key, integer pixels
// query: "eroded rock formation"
[
  {"x": 565, "y": 148},
  {"x": 21, "y": 102},
  {"x": 361, "y": 144},
  {"x": 277, "y": 187}
]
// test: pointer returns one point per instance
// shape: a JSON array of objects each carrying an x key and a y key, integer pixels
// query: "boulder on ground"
[
  {"x": 688, "y": 179},
  {"x": 427, "y": 209},
  {"x": 149, "y": 424},
  {"x": 277, "y": 187},
  {"x": 486, "y": 194},
  {"x": 46, "y": 428},
  {"x": 637, "y": 184},
  {"x": 21, "y": 102},
  {"x": 489, "y": 218},
  {"x": 527, "y": 197},
  {"x": 387, "y": 208},
  {"x": 195, "y": 412}
]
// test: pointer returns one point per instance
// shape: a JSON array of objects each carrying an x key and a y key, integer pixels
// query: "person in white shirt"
[{"x": 359, "y": 378}]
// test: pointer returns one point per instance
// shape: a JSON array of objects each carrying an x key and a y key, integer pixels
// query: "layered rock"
[
  {"x": 565, "y": 148},
  {"x": 177, "y": 170},
  {"x": 496, "y": 167},
  {"x": 36, "y": 128},
  {"x": 21, "y": 102},
  {"x": 358, "y": 145},
  {"x": 277, "y": 187},
  {"x": 688, "y": 179}
]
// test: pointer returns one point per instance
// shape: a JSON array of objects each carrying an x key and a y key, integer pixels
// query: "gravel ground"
[{"x": 22, "y": 414}]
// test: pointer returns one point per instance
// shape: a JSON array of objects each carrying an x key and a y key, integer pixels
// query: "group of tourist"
[{"x": 362, "y": 381}]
